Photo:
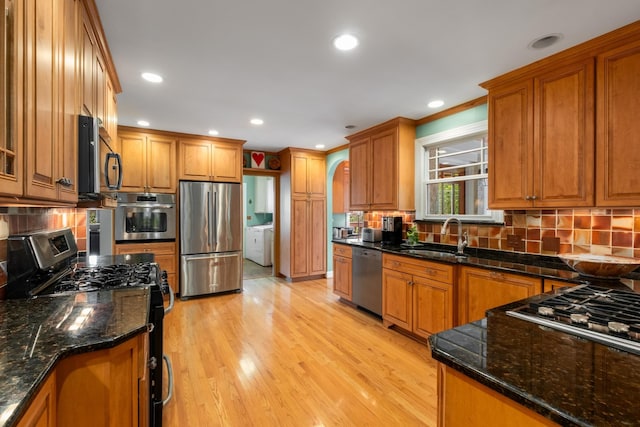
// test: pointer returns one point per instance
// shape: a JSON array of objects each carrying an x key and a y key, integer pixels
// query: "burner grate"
[{"x": 86, "y": 279}]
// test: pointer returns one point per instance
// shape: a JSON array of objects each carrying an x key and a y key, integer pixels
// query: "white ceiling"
[{"x": 226, "y": 61}]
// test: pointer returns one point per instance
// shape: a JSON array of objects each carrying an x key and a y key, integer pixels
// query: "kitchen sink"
[{"x": 432, "y": 254}]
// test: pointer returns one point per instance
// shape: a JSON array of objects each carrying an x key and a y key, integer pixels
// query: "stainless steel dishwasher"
[{"x": 366, "y": 279}]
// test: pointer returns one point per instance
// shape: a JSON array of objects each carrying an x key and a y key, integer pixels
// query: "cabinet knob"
[
  {"x": 534, "y": 197},
  {"x": 410, "y": 282},
  {"x": 430, "y": 271},
  {"x": 65, "y": 182},
  {"x": 496, "y": 275}
]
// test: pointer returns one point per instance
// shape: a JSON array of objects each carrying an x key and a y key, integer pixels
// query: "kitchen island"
[
  {"x": 40, "y": 336},
  {"x": 501, "y": 367}
]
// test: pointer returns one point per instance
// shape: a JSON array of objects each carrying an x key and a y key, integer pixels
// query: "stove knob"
[
  {"x": 164, "y": 282},
  {"x": 152, "y": 363}
]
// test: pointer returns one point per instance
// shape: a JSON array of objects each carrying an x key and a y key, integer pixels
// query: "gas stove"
[
  {"x": 87, "y": 279},
  {"x": 607, "y": 316}
]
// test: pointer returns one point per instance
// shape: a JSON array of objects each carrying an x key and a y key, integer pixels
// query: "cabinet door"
[
  {"x": 299, "y": 237},
  {"x": 316, "y": 177},
  {"x": 161, "y": 165},
  {"x": 87, "y": 47},
  {"x": 618, "y": 156},
  {"x": 100, "y": 88},
  {"x": 384, "y": 170},
  {"x": 480, "y": 290},
  {"x": 510, "y": 148},
  {"x": 133, "y": 147},
  {"x": 42, "y": 44},
  {"x": 299, "y": 174},
  {"x": 11, "y": 149},
  {"x": 342, "y": 268},
  {"x": 227, "y": 162},
  {"x": 564, "y": 136},
  {"x": 42, "y": 410},
  {"x": 359, "y": 174},
  {"x": 432, "y": 306},
  {"x": 397, "y": 298},
  {"x": 68, "y": 147},
  {"x": 317, "y": 236},
  {"x": 195, "y": 160}
]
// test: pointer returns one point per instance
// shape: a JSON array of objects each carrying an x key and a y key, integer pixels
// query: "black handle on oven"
[{"x": 167, "y": 362}]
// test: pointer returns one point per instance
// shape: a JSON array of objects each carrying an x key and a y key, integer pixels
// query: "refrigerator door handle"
[
  {"x": 215, "y": 218},
  {"x": 210, "y": 220}
]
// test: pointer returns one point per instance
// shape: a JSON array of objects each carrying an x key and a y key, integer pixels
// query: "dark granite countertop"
[
  {"x": 569, "y": 380},
  {"x": 36, "y": 333},
  {"x": 543, "y": 266}
]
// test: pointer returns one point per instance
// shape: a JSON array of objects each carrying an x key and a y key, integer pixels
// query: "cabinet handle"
[
  {"x": 410, "y": 282},
  {"x": 527, "y": 197},
  {"x": 495, "y": 275},
  {"x": 534, "y": 197},
  {"x": 430, "y": 271},
  {"x": 65, "y": 182}
]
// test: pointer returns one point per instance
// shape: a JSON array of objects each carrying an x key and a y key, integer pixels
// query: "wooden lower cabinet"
[
  {"x": 42, "y": 411},
  {"x": 342, "y": 269},
  {"x": 417, "y": 295},
  {"x": 480, "y": 289},
  {"x": 164, "y": 254},
  {"x": 101, "y": 388},
  {"x": 465, "y": 402}
]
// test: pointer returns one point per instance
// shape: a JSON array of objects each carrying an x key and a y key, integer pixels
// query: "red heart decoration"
[{"x": 258, "y": 158}]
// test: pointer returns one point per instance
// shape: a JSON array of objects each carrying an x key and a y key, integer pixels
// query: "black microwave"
[{"x": 90, "y": 166}]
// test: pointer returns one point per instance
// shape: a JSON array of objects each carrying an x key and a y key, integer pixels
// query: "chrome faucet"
[{"x": 462, "y": 237}]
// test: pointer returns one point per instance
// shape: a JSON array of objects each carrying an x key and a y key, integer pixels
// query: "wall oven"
[{"x": 145, "y": 217}]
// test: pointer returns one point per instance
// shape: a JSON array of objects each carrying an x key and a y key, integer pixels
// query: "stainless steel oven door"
[{"x": 145, "y": 217}]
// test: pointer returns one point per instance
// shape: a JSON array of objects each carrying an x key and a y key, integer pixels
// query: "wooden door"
[
  {"x": 618, "y": 127},
  {"x": 68, "y": 134},
  {"x": 161, "y": 164},
  {"x": 342, "y": 268},
  {"x": 432, "y": 306},
  {"x": 397, "y": 298},
  {"x": 194, "y": 161},
  {"x": 384, "y": 170},
  {"x": 480, "y": 290},
  {"x": 510, "y": 146},
  {"x": 359, "y": 174},
  {"x": 564, "y": 136},
  {"x": 317, "y": 236},
  {"x": 133, "y": 148},
  {"x": 316, "y": 176},
  {"x": 299, "y": 237},
  {"x": 227, "y": 162},
  {"x": 299, "y": 174},
  {"x": 87, "y": 53},
  {"x": 42, "y": 410},
  {"x": 42, "y": 106},
  {"x": 100, "y": 88},
  {"x": 11, "y": 147}
]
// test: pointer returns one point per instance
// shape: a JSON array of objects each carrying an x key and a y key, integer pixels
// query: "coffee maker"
[{"x": 391, "y": 230}]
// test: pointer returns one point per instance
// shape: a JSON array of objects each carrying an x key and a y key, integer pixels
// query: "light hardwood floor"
[{"x": 291, "y": 354}]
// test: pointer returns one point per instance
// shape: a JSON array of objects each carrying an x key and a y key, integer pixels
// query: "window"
[{"x": 451, "y": 175}]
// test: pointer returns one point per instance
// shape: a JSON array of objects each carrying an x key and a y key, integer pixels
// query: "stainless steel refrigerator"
[{"x": 210, "y": 238}]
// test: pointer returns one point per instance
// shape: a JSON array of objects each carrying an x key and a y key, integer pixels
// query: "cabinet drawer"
[
  {"x": 342, "y": 250},
  {"x": 429, "y": 270}
]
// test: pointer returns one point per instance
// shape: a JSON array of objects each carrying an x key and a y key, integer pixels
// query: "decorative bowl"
[{"x": 609, "y": 266}]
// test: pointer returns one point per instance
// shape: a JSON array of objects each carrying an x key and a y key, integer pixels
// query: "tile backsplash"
[
  {"x": 553, "y": 231},
  {"x": 14, "y": 220}
]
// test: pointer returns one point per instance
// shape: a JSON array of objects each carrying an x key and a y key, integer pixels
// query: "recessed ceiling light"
[
  {"x": 435, "y": 103},
  {"x": 319, "y": 145},
  {"x": 257, "y": 121},
  {"x": 151, "y": 77},
  {"x": 213, "y": 132},
  {"x": 545, "y": 41},
  {"x": 143, "y": 123},
  {"x": 345, "y": 42},
  {"x": 350, "y": 126}
]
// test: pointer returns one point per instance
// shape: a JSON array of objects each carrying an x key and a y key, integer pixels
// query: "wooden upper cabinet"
[
  {"x": 194, "y": 160},
  {"x": 618, "y": 156},
  {"x": 359, "y": 174},
  {"x": 381, "y": 161},
  {"x": 209, "y": 160},
  {"x": 87, "y": 55},
  {"x": 541, "y": 139},
  {"x": 227, "y": 162},
  {"x": 148, "y": 162},
  {"x": 308, "y": 174}
]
